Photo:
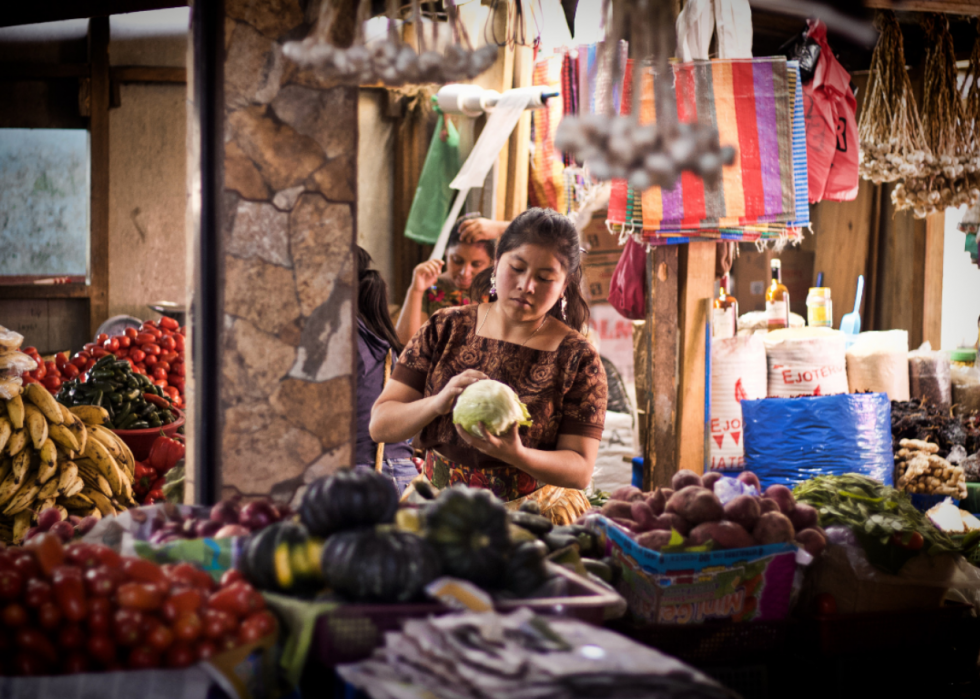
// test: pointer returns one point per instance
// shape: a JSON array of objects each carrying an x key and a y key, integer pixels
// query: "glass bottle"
[
  {"x": 777, "y": 299},
  {"x": 819, "y": 308},
  {"x": 724, "y": 320}
]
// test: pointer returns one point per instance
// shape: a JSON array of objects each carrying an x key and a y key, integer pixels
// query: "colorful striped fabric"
[
  {"x": 756, "y": 106},
  {"x": 800, "y": 173},
  {"x": 546, "y": 184}
]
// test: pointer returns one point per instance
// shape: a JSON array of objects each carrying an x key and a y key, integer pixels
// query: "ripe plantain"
[
  {"x": 48, "y": 491},
  {"x": 24, "y": 496},
  {"x": 64, "y": 437},
  {"x": 45, "y": 402},
  {"x": 8, "y": 487},
  {"x": 76, "y": 502},
  {"x": 18, "y": 440},
  {"x": 91, "y": 414},
  {"x": 67, "y": 474},
  {"x": 37, "y": 426},
  {"x": 100, "y": 456},
  {"x": 49, "y": 462},
  {"x": 5, "y": 431},
  {"x": 41, "y": 503},
  {"x": 15, "y": 410},
  {"x": 101, "y": 501},
  {"x": 20, "y": 465},
  {"x": 66, "y": 414},
  {"x": 22, "y": 523}
]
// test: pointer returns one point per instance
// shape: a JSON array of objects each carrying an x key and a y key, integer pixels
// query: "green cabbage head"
[{"x": 494, "y": 404}]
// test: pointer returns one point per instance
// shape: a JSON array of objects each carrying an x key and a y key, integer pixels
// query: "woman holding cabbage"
[{"x": 528, "y": 338}]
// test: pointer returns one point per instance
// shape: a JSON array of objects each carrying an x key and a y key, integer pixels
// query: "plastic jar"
[
  {"x": 819, "y": 308},
  {"x": 964, "y": 356}
]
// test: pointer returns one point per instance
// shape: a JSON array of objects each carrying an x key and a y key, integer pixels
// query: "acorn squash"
[
  {"x": 282, "y": 558},
  {"x": 347, "y": 500},
  {"x": 468, "y": 527},
  {"x": 378, "y": 565}
]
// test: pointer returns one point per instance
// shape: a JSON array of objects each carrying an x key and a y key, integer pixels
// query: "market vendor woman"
[
  {"x": 433, "y": 289},
  {"x": 526, "y": 336}
]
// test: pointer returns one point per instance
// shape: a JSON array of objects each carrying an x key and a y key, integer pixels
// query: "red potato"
[
  {"x": 774, "y": 528},
  {"x": 626, "y": 493},
  {"x": 812, "y": 541},
  {"x": 783, "y": 497},
  {"x": 708, "y": 480},
  {"x": 725, "y": 535},
  {"x": 669, "y": 520},
  {"x": 750, "y": 478},
  {"x": 743, "y": 510},
  {"x": 696, "y": 505},
  {"x": 626, "y": 524},
  {"x": 616, "y": 509},
  {"x": 684, "y": 478},
  {"x": 643, "y": 516},
  {"x": 668, "y": 492},
  {"x": 655, "y": 540},
  {"x": 767, "y": 505},
  {"x": 657, "y": 501},
  {"x": 804, "y": 516}
]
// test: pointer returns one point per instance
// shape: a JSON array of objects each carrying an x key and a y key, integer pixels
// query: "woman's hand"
[
  {"x": 425, "y": 275},
  {"x": 507, "y": 447},
  {"x": 474, "y": 230},
  {"x": 447, "y": 396}
]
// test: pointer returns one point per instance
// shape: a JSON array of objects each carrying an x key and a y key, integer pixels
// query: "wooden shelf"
[
  {"x": 43, "y": 71},
  {"x": 953, "y": 7},
  {"x": 147, "y": 74},
  {"x": 45, "y": 291}
]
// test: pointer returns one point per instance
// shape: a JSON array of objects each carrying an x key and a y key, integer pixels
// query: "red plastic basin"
[{"x": 140, "y": 441}]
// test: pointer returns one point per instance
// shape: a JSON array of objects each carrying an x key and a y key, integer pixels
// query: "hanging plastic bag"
[
  {"x": 831, "y": 125},
  {"x": 433, "y": 196},
  {"x": 627, "y": 290}
]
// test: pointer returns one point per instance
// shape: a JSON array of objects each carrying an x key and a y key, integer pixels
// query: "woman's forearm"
[
  {"x": 393, "y": 421},
  {"x": 563, "y": 468},
  {"x": 410, "y": 318}
]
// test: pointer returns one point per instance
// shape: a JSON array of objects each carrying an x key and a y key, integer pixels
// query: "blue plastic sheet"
[{"x": 790, "y": 440}]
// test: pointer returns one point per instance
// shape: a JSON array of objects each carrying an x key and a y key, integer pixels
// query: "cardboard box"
[
  {"x": 751, "y": 274},
  {"x": 596, "y": 237},
  {"x": 598, "y": 276},
  {"x": 691, "y": 588}
]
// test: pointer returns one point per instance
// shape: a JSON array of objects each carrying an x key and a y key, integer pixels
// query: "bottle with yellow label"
[
  {"x": 819, "y": 308},
  {"x": 724, "y": 321},
  {"x": 777, "y": 299}
]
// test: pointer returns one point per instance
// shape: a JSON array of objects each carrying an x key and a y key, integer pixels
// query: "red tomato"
[
  {"x": 169, "y": 357},
  {"x": 121, "y": 353},
  {"x": 71, "y": 637},
  {"x": 52, "y": 383},
  {"x": 171, "y": 391},
  {"x": 230, "y": 576},
  {"x": 186, "y": 574},
  {"x": 70, "y": 371},
  {"x": 168, "y": 343},
  {"x": 47, "y": 550},
  {"x": 183, "y": 602},
  {"x": 31, "y": 351},
  {"x": 99, "y": 620},
  {"x": 264, "y": 620},
  {"x": 60, "y": 360},
  {"x": 11, "y": 584},
  {"x": 159, "y": 375},
  {"x": 143, "y": 658},
  {"x": 14, "y": 615},
  {"x": 205, "y": 650},
  {"x": 132, "y": 332},
  {"x": 69, "y": 592},
  {"x": 179, "y": 340},
  {"x": 126, "y": 627},
  {"x": 49, "y": 615},
  {"x": 187, "y": 626},
  {"x": 98, "y": 353},
  {"x": 180, "y": 369},
  {"x": 89, "y": 364},
  {"x": 89, "y": 346},
  {"x": 38, "y": 592},
  {"x": 51, "y": 368},
  {"x": 29, "y": 665},
  {"x": 141, "y": 570},
  {"x": 23, "y": 562},
  {"x": 238, "y": 599},
  {"x": 111, "y": 344},
  {"x": 102, "y": 581},
  {"x": 75, "y": 664},
  {"x": 249, "y": 632},
  {"x": 79, "y": 360},
  {"x": 35, "y": 642},
  {"x": 137, "y": 355},
  {"x": 143, "y": 596},
  {"x": 27, "y": 379},
  {"x": 169, "y": 323},
  {"x": 101, "y": 338},
  {"x": 180, "y": 655},
  {"x": 145, "y": 338},
  {"x": 150, "y": 360},
  {"x": 102, "y": 649},
  {"x": 160, "y": 638},
  {"x": 125, "y": 341},
  {"x": 40, "y": 372},
  {"x": 151, "y": 348},
  {"x": 228, "y": 642},
  {"x": 218, "y": 623},
  {"x": 163, "y": 366}
]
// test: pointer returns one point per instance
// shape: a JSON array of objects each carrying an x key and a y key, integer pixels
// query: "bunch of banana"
[{"x": 54, "y": 456}]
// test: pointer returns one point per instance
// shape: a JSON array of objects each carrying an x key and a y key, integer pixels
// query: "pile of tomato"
[{"x": 85, "y": 608}]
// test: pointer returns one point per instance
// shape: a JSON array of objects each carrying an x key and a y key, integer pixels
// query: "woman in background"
[
  {"x": 432, "y": 289},
  {"x": 377, "y": 351}
]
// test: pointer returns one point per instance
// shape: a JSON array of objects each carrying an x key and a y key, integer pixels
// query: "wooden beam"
[
  {"x": 147, "y": 74},
  {"x": 44, "y": 291},
  {"x": 43, "y": 71},
  {"x": 932, "y": 278},
  {"x": 15, "y": 13},
  {"x": 519, "y": 144},
  {"x": 98, "y": 38},
  {"x": 656, "y": 368},
  {"x": 953, "y": 7}
]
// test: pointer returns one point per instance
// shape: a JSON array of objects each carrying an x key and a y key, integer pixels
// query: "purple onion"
[
  {"x": 63, "y": 530},
  {"x": 257, "y": 515},
  {"x": 207, "y": 528},
  {"x": 85, "y": 526},
  {"x": 225, "y": 512},
  {"x": 230, "y": 530}
]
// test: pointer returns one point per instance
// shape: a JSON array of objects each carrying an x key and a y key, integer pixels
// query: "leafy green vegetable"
[
  {"x": 494, "y": 404},
  {"x": 876, "y": 513}
]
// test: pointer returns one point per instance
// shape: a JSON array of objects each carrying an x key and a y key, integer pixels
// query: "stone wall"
[{"x": 287, "y": 383}]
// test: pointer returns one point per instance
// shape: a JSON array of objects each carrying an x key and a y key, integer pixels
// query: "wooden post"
[
  {"x": 932, "y": 280},
  {"x": 697, "y": 278},
  {"x": 98, "y": 47},
  {"x": 657, "y": 368},
  {"x": 514, "y": 195}
]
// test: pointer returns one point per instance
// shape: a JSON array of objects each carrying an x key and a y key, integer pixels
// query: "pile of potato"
[
  {"x": 920, "y": 469},
  {"x": 691, "y": 508}
]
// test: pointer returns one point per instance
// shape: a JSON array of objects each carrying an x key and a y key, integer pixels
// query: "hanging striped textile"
[{"x": 546, "y": 184}]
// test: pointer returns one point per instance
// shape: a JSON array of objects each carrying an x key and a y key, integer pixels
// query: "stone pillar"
[{"x": 287, "y": 377}]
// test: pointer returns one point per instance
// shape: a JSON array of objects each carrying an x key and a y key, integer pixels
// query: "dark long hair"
[
  {"x": 372, "y": 301},
  {"x": 549, "y": 229}
]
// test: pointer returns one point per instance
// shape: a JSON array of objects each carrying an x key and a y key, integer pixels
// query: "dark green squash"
[
  {"x": 347, "y": 500},
  {"x": 469, "y": 529},
  {"x": 378, "y": 565},
  {"x": 526, "y": 570},
  {"x": 282, "y": 558}
]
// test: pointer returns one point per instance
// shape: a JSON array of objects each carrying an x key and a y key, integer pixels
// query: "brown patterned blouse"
[{"x": 564, "y": 389}]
